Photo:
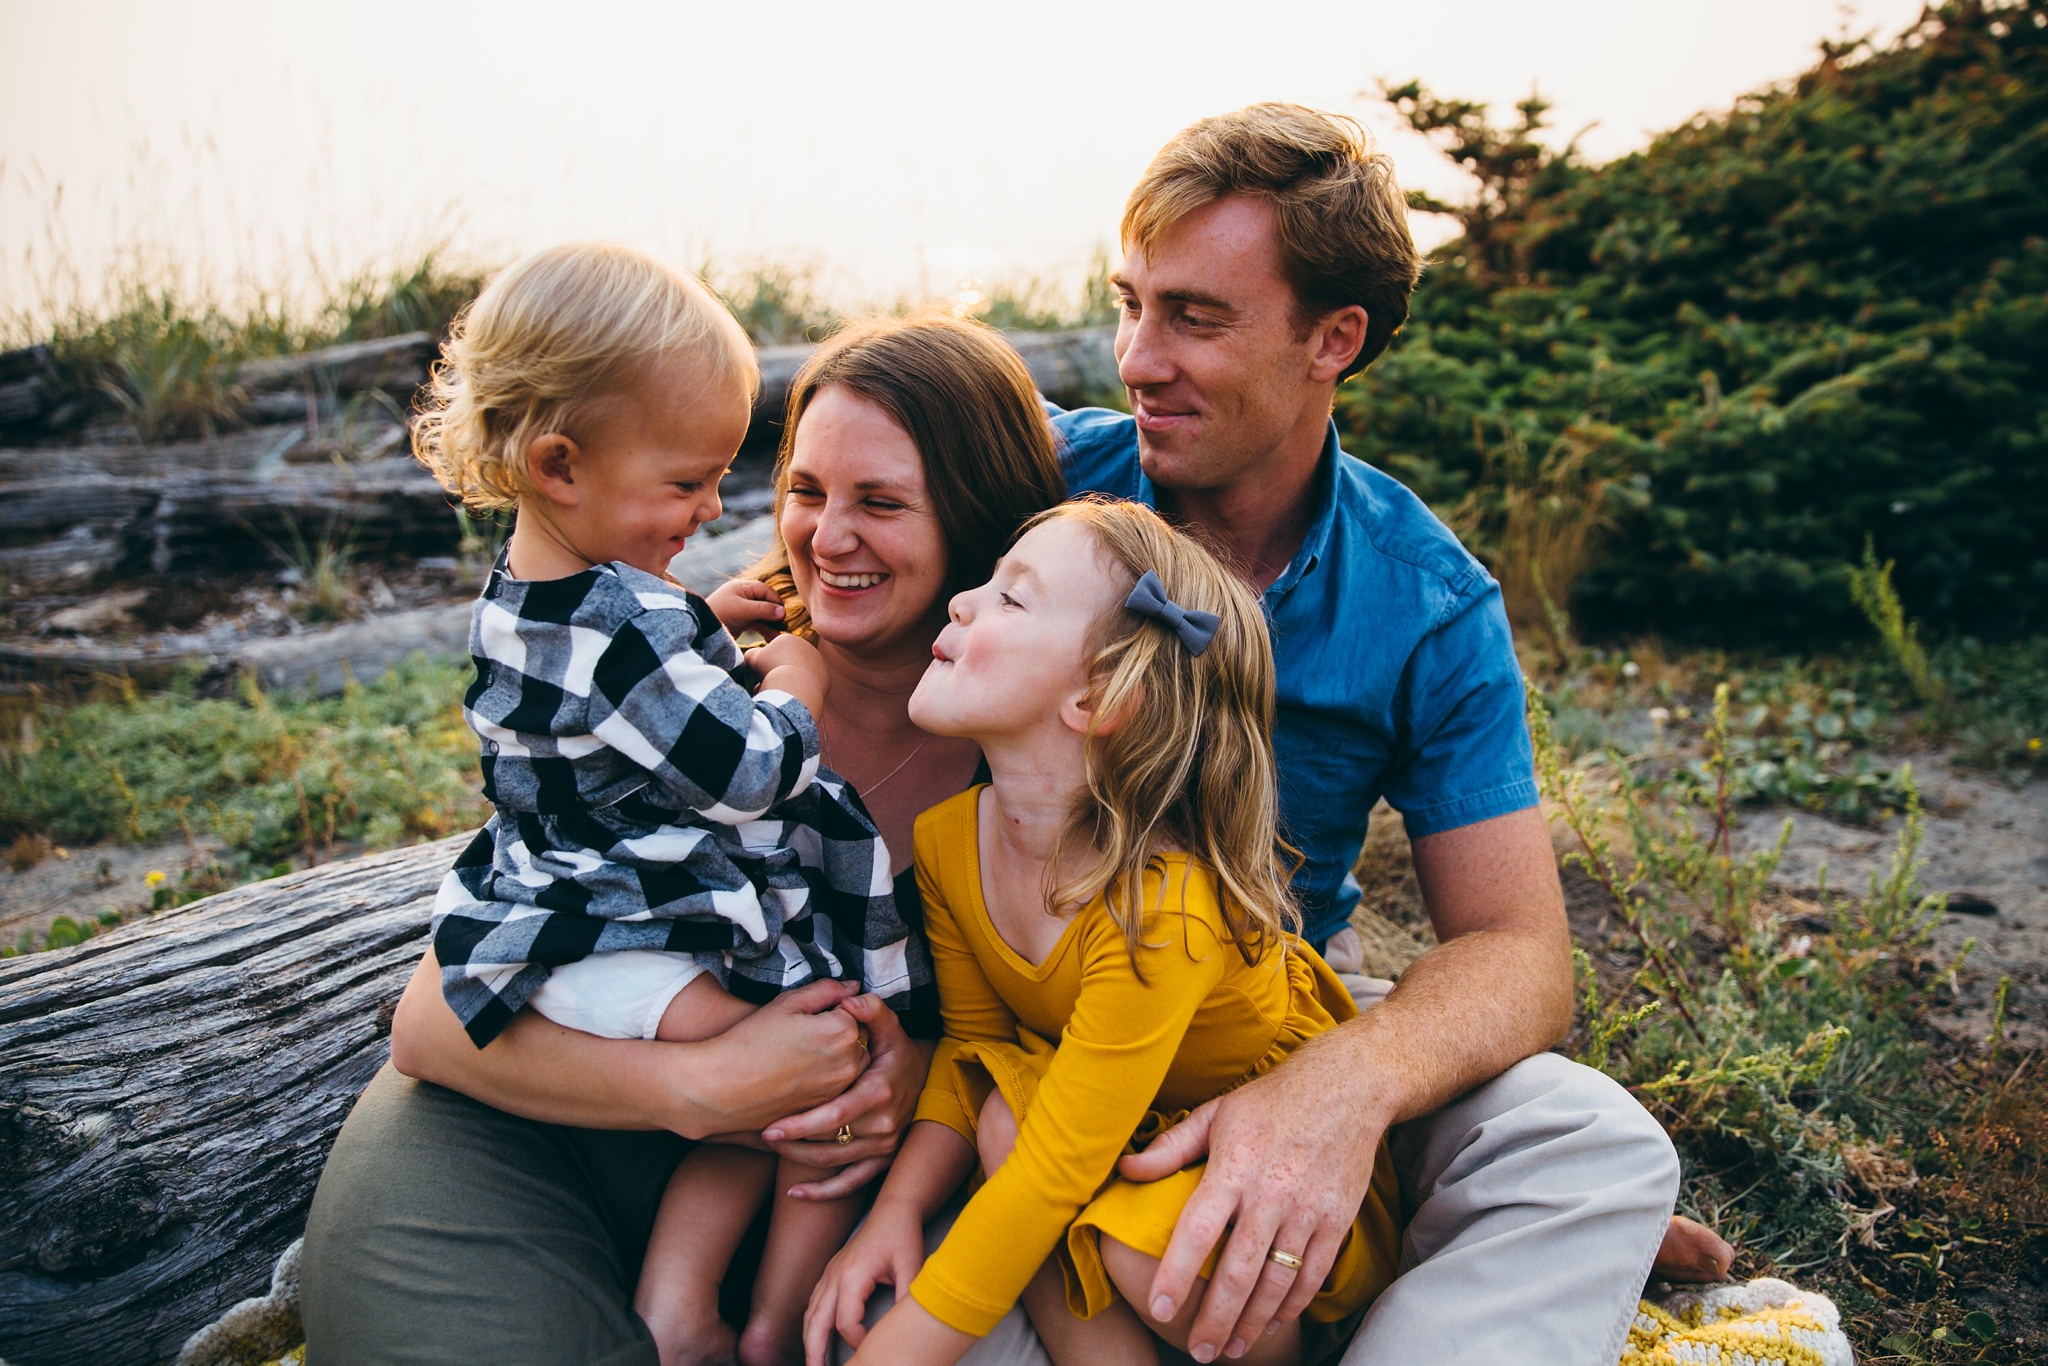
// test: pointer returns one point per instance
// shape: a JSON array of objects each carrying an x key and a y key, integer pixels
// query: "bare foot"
[
  {"x": 771, "y": 1344},
  {"x": 1692, "y": 1252},
  {"x": 691, "y": 1340}
]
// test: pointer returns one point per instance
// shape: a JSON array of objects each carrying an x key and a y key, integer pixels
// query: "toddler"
[{"x": 664, "y": 853}]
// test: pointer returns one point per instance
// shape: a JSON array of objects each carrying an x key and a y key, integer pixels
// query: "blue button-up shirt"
[{"x": 1397, "y": 677}]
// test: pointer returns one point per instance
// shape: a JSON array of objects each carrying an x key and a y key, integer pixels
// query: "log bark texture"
[{"x": 168, "y": 1093}]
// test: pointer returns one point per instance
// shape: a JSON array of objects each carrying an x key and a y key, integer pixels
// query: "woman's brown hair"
[{"x": 967, "y": 401}]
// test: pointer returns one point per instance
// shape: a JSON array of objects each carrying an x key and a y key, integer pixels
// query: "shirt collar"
[{"x": 1314, "y": 545}]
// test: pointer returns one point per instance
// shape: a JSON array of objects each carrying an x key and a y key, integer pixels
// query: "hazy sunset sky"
[{"x": 897, "y": 149}]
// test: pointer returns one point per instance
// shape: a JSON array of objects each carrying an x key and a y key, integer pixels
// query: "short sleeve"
[{"x": 1465, "y": 754}]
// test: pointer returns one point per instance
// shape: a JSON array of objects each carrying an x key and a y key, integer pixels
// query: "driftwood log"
[
  {"x": 169, "y": 1090},
  {"x": 323, "y": 661},
  {"x": 1068, "y": 366},
  {"x": 73, "y": 517}
]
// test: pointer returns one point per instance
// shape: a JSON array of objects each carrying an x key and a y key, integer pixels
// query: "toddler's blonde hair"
[
  {"x": 1186, "y": 761},
  {"x": 551, "y": 340}
]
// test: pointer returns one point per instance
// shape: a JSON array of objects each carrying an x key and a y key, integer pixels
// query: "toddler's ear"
[{"x": 551, "y": 461}]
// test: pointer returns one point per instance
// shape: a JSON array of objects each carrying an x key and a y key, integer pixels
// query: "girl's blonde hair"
[
  {"x": 548, "y": 343},
  {"x": 1183, "y": 758}
]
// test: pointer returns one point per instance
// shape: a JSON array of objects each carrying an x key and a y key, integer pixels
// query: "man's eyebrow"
[
  {"x": 1200, "y": 300},
  {"x": 1194, "y": 297}
]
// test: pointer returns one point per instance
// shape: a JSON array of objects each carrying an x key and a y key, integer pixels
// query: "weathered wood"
[
  {"x": 28, "y": 387},
  {"x": 181, "y": 518},
  {"x": 323, "y": 661},
  {"x": 1068, "y": 367},
  {"x": 395, "y": 364},
  {"x": 169, "y": 1091}
]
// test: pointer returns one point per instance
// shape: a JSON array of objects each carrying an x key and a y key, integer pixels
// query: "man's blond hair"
[{"x": 1341, "y": 219}]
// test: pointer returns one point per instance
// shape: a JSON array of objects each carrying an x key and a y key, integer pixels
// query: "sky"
[{"x": 894, "y": 150}]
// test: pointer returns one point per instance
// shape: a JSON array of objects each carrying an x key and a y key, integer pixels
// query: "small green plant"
[
  {"x": 483, "y": 536},
  {"x": 1801, "y": 754},
  {"x": 169, "y": 377},
  {"x": 319, "y": 567},
  {"x": 1870, "y": 584},
  {"x": 1776, "y": 1058},
  {"x": 778, "y": 304}
]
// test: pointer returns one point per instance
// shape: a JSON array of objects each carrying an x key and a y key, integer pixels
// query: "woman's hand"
[
  {"x": 798, "y": 1050},
  {"x": 876, "y": 1109},
  {"x": 888, "y": 1249}
]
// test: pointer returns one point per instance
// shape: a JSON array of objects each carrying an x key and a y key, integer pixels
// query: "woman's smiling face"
[{"x": 864, "y": 541}]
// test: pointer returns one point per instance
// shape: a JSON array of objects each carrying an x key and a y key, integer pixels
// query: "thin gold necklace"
[{"x": 876, "y": 785}]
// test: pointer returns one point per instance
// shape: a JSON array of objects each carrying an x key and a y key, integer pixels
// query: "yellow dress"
[{"x": 1093, "y": 1055}]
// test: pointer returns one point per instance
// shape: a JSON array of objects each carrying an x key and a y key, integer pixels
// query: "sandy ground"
[
  {"x": 82, "y": 883},
  {"x": 1986, "y": 847}
]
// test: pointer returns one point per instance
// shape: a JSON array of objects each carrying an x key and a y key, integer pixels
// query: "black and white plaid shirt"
[{"x": 645, "y": 800}]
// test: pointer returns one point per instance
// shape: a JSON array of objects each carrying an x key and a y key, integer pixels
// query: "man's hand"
[{"x": 1290, "y": 1157}]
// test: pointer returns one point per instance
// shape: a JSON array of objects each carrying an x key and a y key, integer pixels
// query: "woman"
[{"x": 500, "y": 1213}]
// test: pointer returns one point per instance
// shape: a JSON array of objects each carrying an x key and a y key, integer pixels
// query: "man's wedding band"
[
  {"x": 1286, "y": 1259},
  {"x": 845, "y": 1136}
]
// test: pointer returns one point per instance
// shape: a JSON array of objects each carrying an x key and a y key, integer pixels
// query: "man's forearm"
[
  {"x": 1497, "y": 988},
  {"x": 1463, "y": 1013}
]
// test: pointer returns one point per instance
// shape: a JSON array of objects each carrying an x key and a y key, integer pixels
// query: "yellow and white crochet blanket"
[{"x": 1764, "y": 1322}]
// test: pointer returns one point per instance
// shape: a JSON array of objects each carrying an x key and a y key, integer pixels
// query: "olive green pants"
[{"x": 512, "y": 1242}]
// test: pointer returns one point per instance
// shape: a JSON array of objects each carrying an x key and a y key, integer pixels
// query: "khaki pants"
[{"x": 445, "y": 1231}]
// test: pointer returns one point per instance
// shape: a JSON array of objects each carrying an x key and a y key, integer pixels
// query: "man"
[{"x": 1267, "y": 258}]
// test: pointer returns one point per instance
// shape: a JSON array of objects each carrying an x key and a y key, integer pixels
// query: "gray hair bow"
[{"x": 1195, "y": 629}]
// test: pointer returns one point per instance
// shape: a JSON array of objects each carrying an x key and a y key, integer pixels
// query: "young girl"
[
  {"x": 1109, "y": 922},
  {"x": 664, "y": 853}
]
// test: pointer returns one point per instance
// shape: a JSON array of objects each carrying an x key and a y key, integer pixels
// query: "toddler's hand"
[
  {"x": 787, "y": 652},
  {"x": 740, "y": 603},
  {"x": 793, "y": 665}
]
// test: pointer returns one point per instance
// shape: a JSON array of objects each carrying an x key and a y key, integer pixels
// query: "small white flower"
[{"x": 1629, "y": 669}]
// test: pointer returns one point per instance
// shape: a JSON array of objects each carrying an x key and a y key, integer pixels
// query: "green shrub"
[{"x": 1817, "y": 320}]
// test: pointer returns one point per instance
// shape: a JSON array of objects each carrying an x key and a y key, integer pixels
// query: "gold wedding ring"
[
  {"x": 1286, "y": 1259},
  {"x": 845, "y": 1136}
]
